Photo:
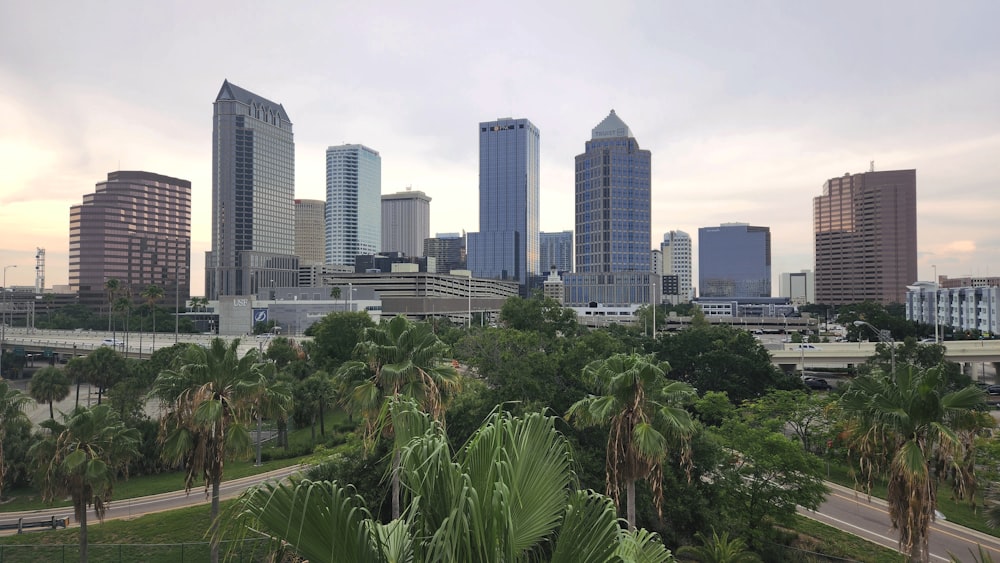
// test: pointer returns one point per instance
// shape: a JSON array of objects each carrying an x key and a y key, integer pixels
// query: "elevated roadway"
[{"x": 841, "y": 354}]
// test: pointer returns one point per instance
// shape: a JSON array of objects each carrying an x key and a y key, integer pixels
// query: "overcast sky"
[{"x": 747, "y": 107}]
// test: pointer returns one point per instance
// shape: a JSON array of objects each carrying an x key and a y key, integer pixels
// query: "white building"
[
  {"x": 961, "y": 308},
  {"x": 675, "y": 260},
  {"x": 353, "y": 203},
  {"x": 799, "y": 287}
]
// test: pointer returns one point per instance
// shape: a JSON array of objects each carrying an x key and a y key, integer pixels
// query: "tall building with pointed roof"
[
  {"x": 253, "y": 190},
  {"x": 613, "y": 208}
]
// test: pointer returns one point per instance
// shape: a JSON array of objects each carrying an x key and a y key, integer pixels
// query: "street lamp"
[
  {"x": 885, "y": 340},
  {"x": 3, "y": 317}
]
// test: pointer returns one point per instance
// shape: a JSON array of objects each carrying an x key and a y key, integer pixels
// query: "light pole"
[
  {"x": 470, "y": 300},
  {"x": 936, "y": 291},
  {"x": 3, "y": 317},
  {"x": 885, "y": 340}
]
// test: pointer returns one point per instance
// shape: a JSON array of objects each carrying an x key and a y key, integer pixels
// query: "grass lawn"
[{"x": 819, "y": 542}]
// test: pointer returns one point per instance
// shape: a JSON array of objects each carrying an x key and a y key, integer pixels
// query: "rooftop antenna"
[{"x": 871, "y": 166}]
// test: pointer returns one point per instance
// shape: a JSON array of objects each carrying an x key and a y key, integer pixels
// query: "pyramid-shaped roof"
[
  {"x": 612, "y": 126},
  {"x": 230, "y": 91}
]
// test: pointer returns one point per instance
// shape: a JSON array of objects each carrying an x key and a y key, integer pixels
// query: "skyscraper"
[
  {"x": 506, "y": 246},
  {"x": 734, "y": 260},
  {"x": 448, "y": 251},
  {"x": 676, "y": 249},
  {"x": 135, "y": 228},
  {"x": 556, "y": 251},
  {"x": 613, "y": 237},
  {"x": 353, "y": 203},
  {"x": 406, "y": 222},
  {"x": 253, "y": 187},
  {"x": 310, "y": 239},
  {"x": 865, "y": 228}
]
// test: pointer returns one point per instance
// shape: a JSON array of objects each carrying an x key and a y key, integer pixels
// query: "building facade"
[
  {"x": 799, "y": 287},
  {"x": 253, "y": 187},
  {"x": 134, "y": 228},
  {"x": 556, "y": 251},
  {"x": 353, "y": 203},
  {"x": 734, "y": 260},
  {"x": 448, "y": 251},
  {"x": 506, "y": 246},
  {"x": 310, "y": 243},
  {"x": 958, "y": 308},
  {"x": 612, "y": 210},
  {"x": 865, "y": 236},
  {"x": 676, "y": 263},
  {"x": 406, "y": 222}
]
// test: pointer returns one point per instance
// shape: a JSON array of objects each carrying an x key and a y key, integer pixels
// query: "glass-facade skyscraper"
[
  {"x": 734, "y": 260},
  {"x": 613, "y": 236},
  {"x": 506, "y": 246},
  {"x": 556, "y": 251},
  {"x": 353, "y": 203},
  {"x": 253, "y": 193}
]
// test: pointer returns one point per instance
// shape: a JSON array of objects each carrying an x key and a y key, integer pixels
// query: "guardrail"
[{"x": 23, "y": 524}]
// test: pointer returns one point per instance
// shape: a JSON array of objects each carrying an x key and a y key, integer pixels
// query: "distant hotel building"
[
  {"x": 135, "y": 228},
  {"x": 353, "y": 203},
  {"x": 734, "y": 260},
  {"x": 406, "y": 222},
  {"x": 253, "y": 186},
  {"x": 613, "y": 237},
  {"x": 676, "y": 266},
  {"x": 799, "y": 287},
  {"x": 865, "y": 228},
  {"x": 556, "y": 251},
  {"x": 506, "y": 246}
]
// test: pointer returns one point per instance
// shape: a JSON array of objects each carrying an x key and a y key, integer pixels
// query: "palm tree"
[
  {"x": 12, "y": 404},
  {"x": 82, "y": 458},
  {"x": 152, "y": 294},
  {"x": 209, "y": 399},
  {"x": 719, "y": 549},
  {"x": 335, "y": 292},
  {"x": 642, "y": 408},
  {"x": 77, "y": 371},
  {"x": 904, "y": 424},
  {"x": 124, "y": 305},
  {"x": 396, "y": 358},
  {"x": 112, "y": 286},
  {"x": 508, "y": 495},
  {"x": 48, "y": 385}
]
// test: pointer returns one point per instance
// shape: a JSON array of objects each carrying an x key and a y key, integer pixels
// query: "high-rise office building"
[
  {"x": 134, "y": 228},
  {"x": 310, "y": 239},
  {"x": 353, "y": 203},
  {"x": 613, "y": 237},
  {"x": 253, "y": 193},
  {"x": 406, "y": 222},
  {"x": 448, "y": 251},
  {"x": 556, "y": 251},
  {"x": 506, "y": 246},
  {"x": 676, "y": 262},
  {"x": 734, "y": 260},
  {"x": 865, "y": 228},
  {"x": 798, "y": 287}
]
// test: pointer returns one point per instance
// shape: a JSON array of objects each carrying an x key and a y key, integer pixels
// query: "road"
[
  {"x": 127, "y": 509},
  {"x": 852, "y": 512}
]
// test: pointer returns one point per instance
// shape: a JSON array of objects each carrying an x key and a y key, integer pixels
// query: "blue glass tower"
[
  {"x": 613, "y": 236},
  {"x": 506, "y": 246},
  {"x": 353, "y": 203},
  {"x": 734, "y": 260}
]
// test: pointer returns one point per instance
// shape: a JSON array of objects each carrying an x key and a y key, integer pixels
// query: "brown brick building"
[{"x": 865, "y": 228}]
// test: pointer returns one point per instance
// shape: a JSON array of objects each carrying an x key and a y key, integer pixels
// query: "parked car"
[
  {"x": 817, "y": 384},
  {"x": 993, "y": 389}
]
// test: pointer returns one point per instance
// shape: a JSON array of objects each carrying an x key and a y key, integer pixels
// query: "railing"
[
  {"x": 22, "y": 524},
  {"x": 245, "y": 551}
]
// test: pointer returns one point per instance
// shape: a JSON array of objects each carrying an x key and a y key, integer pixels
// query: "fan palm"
[
  {"x": 719, "y": 549},
  {"x": 209, "y": 400},
  {"x": 904, "y": 424},
  {"x": 506, "y": 496},
  {"x": 82, "y": 458},
  {"x": 48, "y": 385},
  {"x": 396, "y": 358},
  {"x": 12, "y": 405},
  {"x": 643, "y": 410}
]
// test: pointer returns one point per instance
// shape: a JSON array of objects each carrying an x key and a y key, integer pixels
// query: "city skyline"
[{"x": 746, "y": 114}]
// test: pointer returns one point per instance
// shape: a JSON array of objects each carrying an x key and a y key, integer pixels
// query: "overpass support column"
[{"x": 996, "y": 369}]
